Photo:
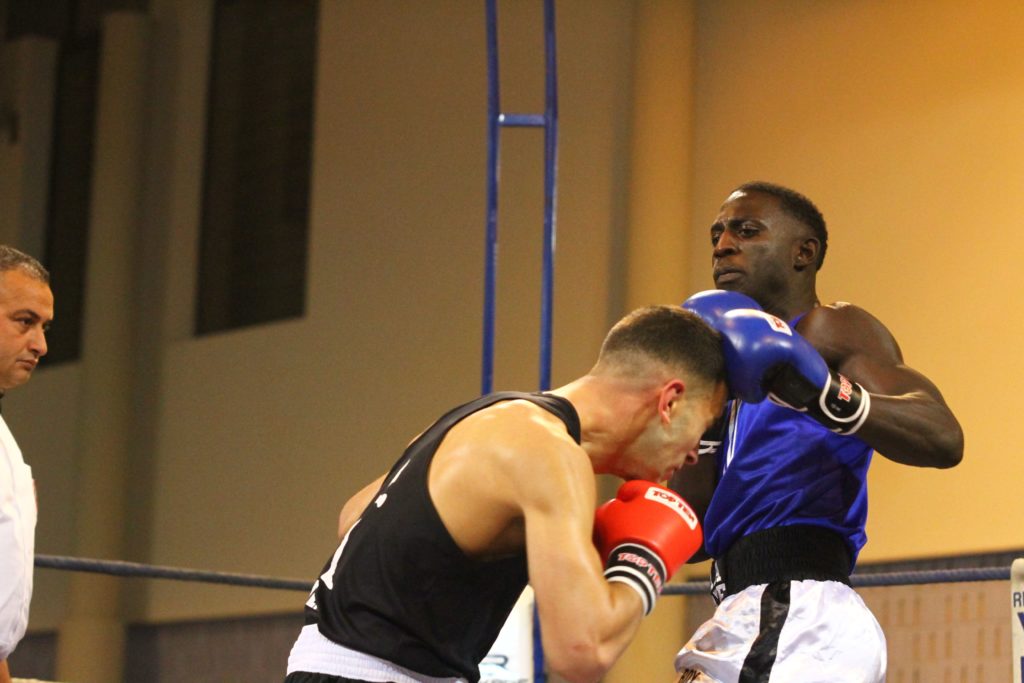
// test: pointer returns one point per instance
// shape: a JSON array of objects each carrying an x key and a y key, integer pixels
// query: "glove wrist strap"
[
  {"x": 843, "y": 405},
  {"x": 639, "y": 568}
]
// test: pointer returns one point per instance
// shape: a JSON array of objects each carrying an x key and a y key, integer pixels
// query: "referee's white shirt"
[{"x": 17, "y": 541}]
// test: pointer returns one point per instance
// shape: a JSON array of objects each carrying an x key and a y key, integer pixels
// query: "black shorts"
[{"x": 303, "y": 677}]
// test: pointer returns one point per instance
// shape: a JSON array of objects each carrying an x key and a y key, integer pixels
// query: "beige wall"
[
  {"x": 261, "y": 434},
  {"x": 901, "y": 120}
]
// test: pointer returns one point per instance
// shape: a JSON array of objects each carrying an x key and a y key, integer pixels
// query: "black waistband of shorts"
[
  {"x": 788, "y": 553},
  {"x": 307, "y": 677}
]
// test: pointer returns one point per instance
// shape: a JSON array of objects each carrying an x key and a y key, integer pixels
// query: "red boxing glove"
[{"x": 644, "y": 535}]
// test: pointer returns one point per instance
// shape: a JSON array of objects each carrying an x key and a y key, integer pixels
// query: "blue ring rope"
[
  {"x": 871, "y": 580},
  {"x": 135, "y": 569}
]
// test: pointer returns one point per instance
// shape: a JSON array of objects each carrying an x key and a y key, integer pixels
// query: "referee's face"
[{"x": 26, "y": 309}]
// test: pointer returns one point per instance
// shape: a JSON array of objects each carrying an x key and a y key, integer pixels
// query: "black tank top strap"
[{"x": 562, "y": 409}]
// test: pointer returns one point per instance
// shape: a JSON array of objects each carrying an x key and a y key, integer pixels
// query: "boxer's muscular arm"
[
  {"x": 585, "y": 621},
  {"x": 909, "y": 421},
  {"x": 510, "y": 476}
]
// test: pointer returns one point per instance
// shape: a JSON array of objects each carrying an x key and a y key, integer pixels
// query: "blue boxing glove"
[
  {"x": 765, "y": 357},
  {"x": 712, "y": 304}
]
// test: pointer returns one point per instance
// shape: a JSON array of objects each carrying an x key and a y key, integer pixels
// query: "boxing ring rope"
[
  {"x": 1014, "y": 575},
  {"x": 135, "y": 569},
  {"x": 138, "y": 570},
  {"x": 876, "y": 579}
]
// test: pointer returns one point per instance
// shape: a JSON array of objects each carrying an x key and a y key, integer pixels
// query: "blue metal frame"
[
  {"x": 496, "y": 120},
  {"x": 550, "y": 196},
  {"x": 491, "y": 250}
]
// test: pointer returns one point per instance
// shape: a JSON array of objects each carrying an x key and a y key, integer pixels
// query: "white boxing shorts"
[{"x": 787, "y": 632}]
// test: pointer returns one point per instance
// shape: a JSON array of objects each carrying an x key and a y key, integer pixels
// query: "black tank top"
[{"x": 399, "y": 588}]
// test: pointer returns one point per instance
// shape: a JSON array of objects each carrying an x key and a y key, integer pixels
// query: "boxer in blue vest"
[{"x": 782, "y": 482}]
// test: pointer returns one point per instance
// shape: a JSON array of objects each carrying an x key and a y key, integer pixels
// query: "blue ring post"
[
  {"x": 548, "y": 272},
  {"x": 550, "y": 195},
  {"x": 491, "y": 248},
  {"x": 496, "y": 120}
]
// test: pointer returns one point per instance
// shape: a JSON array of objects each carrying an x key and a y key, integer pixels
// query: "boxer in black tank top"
[
  {"x": 500, "y": 491},
  {"x": 400, "y": 561}
]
